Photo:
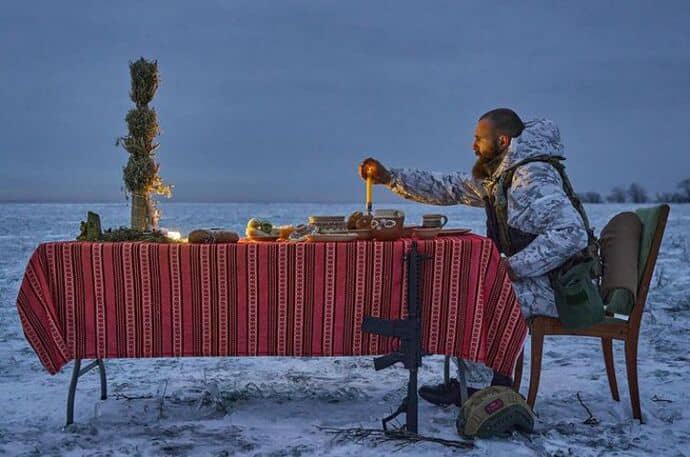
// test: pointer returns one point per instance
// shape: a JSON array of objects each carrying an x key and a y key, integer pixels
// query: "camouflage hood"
[
  {"x": 541, "y": 136},
  {"x": 536, "y": 204}
]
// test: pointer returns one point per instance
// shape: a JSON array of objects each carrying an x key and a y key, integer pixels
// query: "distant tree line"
[{"x": 635, "y": 193}]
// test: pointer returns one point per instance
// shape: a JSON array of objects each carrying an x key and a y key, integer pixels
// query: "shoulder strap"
[{"x": 505, "y": 181}]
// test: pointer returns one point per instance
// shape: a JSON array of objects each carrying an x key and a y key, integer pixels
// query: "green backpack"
[{"x": 576, "y": 282}]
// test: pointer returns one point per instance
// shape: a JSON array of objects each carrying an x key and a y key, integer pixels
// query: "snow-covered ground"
[{"x": 273, "y": 406}]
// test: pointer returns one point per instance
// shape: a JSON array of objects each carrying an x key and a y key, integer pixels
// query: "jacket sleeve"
[
  {"x": 538, "y": 204},
  {"x": 436, "y": 188}
]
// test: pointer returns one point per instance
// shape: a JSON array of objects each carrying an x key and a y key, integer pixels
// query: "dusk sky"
[{"x": 279, "y": 101}]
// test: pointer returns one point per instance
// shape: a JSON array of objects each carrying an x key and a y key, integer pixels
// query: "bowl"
[
  {"x": 387, "y": 225},
  {"x": 327, "y": 224}
]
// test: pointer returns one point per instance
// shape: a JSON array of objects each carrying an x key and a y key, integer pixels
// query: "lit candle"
[
  {"x": 369, "y": 189},
  {"x": 174, "y": 235}
]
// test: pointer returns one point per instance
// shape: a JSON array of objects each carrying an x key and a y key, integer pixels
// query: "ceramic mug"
[
  {"x": 387, "y": 224},
  {"x": 434, "y": 220}
]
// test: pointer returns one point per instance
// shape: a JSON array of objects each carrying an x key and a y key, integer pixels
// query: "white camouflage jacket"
[{"x": 537, "y": 204}]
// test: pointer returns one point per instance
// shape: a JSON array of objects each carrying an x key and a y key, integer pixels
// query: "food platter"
[
  {"x": 381, "y": 225},
  {"x": 263, "y": 238},
  {"x": 362, "y": 234},
  {"x": 409, "y": 229},
  {"x": 424, "y": 233},
  {"x": 332, "y": 237},
  {"x": 454, "y": 231}
]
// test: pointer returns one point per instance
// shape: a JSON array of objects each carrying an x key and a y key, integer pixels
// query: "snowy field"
[{"x": 274, "y": 406}]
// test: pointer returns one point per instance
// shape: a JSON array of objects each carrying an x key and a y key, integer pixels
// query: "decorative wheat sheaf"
[{"x": 140, "y": 175}]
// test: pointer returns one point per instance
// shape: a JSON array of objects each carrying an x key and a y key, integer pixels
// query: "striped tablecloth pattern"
[{"x": 108, "y": 300}]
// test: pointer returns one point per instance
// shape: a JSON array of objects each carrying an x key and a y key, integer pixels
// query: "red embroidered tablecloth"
[{"x": 107, "y": 300}]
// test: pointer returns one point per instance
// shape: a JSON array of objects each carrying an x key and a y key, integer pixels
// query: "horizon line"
[{"x": 104, "y": 202}]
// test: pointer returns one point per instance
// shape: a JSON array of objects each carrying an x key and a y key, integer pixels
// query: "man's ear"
[{"x": 503, "y": 142}]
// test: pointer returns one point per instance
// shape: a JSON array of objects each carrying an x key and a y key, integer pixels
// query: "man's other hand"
[
  {"x": 509, "y": 269},
  {"x": 379, "y": 173}
]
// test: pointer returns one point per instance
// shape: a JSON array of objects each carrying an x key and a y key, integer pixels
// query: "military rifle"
[{"x": 409, "y": 331}]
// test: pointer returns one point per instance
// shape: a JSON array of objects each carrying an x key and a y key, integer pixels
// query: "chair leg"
[
  {"x": 607, "y": 348},
  {"x": 535, "y": 362},
  {"x": 517, "y": 380},
  {"x": 631, "y": 366}
]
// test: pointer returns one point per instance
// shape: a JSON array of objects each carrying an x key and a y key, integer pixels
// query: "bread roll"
[{"x": 212, "y": 236}]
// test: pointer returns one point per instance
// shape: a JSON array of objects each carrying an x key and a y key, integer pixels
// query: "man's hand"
[
  {"x": 511, "y": 273},
  {"x": 509, "y": 270},
  {"x": 379, "y": 173}
]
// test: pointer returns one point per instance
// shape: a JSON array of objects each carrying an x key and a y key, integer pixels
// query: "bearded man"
[{"x": 543, "y": 225}]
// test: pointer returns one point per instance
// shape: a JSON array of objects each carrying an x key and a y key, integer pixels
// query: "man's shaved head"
[
  {"x": 505, "y": 121},
  {"x": 492, "y": 137}
]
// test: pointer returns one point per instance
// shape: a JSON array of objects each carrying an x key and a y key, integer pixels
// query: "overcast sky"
[{"x": 280, "y": 100}]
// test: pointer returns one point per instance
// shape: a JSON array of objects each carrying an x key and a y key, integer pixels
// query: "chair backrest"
[
  {"x": 619, "y": 243},
  {"x": 653, "y": 225}
]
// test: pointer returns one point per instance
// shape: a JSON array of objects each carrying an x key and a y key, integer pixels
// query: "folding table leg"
[
  {"x": 78, "y": 372},
  {"x": 104, "y": 385},
  {"x": 72, "y": 390},
  {"x": 446, "y": 370},
  {"x": 462, "y": 380}
]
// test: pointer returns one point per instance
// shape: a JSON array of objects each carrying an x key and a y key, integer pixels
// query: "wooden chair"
[{"x": 608, "y": 330}]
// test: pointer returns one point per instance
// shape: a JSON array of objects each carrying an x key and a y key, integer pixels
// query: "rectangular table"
[{"x": 81, "y": 300}]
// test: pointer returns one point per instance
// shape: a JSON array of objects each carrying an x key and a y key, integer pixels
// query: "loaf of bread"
[{"x": 213, "y": 235}]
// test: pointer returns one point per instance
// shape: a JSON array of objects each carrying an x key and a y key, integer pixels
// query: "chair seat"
[{"x": 610, "y": 327}]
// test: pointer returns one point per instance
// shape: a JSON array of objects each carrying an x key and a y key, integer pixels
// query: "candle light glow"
[{"x": 174, "y": 235}]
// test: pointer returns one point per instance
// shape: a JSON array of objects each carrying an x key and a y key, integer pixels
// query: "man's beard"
[{"x": 484, "y": 167}]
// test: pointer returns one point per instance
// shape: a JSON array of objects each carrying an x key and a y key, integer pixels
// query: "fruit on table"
[
  {"x": 284, "y": 231},
  {"x": 259, "y": 227}
]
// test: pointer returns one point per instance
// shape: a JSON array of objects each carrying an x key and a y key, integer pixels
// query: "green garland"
[{"x": 91, "y": 231}]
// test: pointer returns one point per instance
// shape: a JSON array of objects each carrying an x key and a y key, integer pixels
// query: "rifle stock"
[{"x": 387, "y": 360}]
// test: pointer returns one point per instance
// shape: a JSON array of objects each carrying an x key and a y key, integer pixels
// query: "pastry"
[
  {"x": 358, "y": 220},
  {"x": 302, "y": 231}
]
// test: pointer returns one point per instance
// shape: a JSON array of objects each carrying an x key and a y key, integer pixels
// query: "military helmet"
[{"x": 494, "y": 411}]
